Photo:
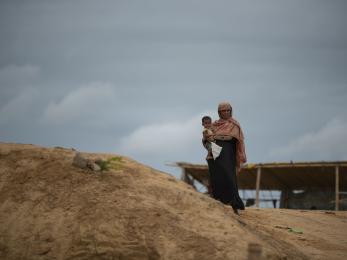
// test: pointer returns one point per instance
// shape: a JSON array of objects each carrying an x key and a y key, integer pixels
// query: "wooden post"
[
  {"x": 257, "y": 187},
  {"x": 183, "y": 175},
  {"x": 286, "y": 198},
  {"x": 337, "y": 188}
]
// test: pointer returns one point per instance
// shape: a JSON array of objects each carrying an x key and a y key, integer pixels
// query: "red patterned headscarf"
[{"x": 231, "y": 128}]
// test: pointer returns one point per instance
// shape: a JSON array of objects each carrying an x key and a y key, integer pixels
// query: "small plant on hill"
[{"x": 112, "y": 163}]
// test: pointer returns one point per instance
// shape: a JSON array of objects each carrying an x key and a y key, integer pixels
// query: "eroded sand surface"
[{"x": 50, "y": 209}]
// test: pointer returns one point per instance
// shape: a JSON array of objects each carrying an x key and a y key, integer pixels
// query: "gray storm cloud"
[
  {"x": 101, "y": 76},
  {"x": 88, "y": 104},
  {"x": 328, "y": 143}
]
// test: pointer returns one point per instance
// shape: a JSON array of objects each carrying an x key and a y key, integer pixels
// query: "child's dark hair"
[{"x": 206, "y": 118}]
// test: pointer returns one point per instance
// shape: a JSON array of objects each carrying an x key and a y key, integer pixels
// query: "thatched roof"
[{"x": 279, "y": 176}]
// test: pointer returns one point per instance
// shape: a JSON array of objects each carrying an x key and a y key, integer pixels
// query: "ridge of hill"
[{"x": 51, "y": 209}]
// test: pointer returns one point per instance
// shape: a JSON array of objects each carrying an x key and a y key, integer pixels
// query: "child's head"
[{"x": 206, "y": 121}]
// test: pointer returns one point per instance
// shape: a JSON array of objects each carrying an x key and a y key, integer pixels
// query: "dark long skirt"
[{"x": 223, "y": 175}]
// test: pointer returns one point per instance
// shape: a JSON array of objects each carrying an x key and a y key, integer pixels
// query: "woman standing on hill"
[{"x": 227, "y": 134}]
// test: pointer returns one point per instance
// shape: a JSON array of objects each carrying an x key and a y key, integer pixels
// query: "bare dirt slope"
[{"x": 50, "y": 209}]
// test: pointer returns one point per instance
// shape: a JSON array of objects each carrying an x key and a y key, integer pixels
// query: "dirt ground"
[{"x": 50, "y": 209}]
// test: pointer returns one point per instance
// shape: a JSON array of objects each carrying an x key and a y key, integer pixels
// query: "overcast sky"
[{"x": 135, "y": 77}]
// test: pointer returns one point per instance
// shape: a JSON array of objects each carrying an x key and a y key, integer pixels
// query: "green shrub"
[{"x": 112, "y": 163}]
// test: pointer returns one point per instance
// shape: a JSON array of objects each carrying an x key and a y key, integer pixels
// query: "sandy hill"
[{"x": 50, "y": 209}]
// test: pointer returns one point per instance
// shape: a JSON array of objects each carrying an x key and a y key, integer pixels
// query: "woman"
[{"x": 228, "y": 135}]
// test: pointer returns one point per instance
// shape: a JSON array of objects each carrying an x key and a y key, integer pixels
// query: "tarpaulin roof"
[{"x": 280, "y": 176}]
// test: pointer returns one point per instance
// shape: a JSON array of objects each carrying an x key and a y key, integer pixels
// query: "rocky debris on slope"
[{"x": 84, "y": 163}]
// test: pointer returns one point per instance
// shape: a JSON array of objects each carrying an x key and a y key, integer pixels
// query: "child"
[
  {"x": 207, "y": 139},
  {"x": 207, "y": 136}
]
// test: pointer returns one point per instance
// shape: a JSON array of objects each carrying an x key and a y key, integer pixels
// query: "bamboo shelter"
[{"x": 325, "y": 177}]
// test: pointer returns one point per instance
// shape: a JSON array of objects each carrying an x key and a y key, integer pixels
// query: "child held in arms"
[{"x": 207, "y": 136}]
